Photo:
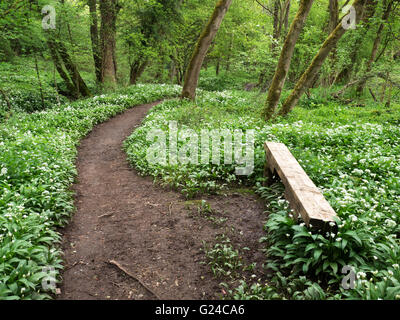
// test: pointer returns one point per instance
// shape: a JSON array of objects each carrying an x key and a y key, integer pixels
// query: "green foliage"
[
  {"x": 256, "y": 291},
  {"x": 352, "y": 160},
  {"x": 226, "y": 81},
  {"x": 223, "y": 258},
  {"x": 20, "y": 83},
  {"x": 37, "y": 167}
]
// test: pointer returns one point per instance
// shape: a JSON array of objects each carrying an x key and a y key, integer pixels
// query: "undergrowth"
[
  {"x": 351, "y": 153},
  {"x": 37, "y": 167}
]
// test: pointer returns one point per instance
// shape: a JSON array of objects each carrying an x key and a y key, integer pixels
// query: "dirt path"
[{"x": 152, "y": 233}]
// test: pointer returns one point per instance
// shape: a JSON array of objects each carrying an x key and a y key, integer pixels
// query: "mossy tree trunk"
[
  {"x": 308, "y": 76},
  {"x": 333, "y": 22},
  {"x": 201, "y": 48},
  {"x": 282, "y": 69},
  {"x": 72, "y": 90},
  {"x": 76, "y": 78}
]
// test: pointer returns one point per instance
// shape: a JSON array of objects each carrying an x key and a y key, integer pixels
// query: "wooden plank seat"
[{"x": 303, "y": 196}]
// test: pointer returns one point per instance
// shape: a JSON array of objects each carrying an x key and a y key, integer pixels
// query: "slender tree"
[
  {"x": 201, "y": 48},
  {"x": 282, "y": 69},
  {"x": 333, "y": 15},
  {"x": 72, "y": 90},
  {"x": 308, "y": 76}
]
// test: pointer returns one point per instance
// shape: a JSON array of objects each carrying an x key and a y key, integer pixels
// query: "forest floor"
[{"x": 132, "y": 239}]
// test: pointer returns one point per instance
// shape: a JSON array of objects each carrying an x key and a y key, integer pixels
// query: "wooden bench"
[{"x": 303, "y": 196}]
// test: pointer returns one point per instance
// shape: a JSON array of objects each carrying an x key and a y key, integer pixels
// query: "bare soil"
[{"x": 153, "y": 235}]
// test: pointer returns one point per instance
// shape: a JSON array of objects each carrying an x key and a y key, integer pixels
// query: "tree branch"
[{"x": 265, "y": 8}]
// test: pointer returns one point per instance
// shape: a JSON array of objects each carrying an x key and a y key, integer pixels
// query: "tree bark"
[
  {"x": 94, "y": 36},
  {"x": 76, "y": 78},
  {"x": 333, "y": 15},
  {"x": 375, "y": 47},
  {"x": 286, "y": 17},
  {"x": 136, "y": 70},
  {"x": 276, "y": 22},
  {"x": 201, "y": 48},
  {"x": 282, "y": 69},
  {"x": 108, "y": 12},
  {"x": 316, "y": 64},
  {"x": 58, "y": 64},
  {"x": 333, "y": 22}
]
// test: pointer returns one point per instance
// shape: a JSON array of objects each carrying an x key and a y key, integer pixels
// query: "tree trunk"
[
  {"x": 316, "y": 64},
  {"x": 94, "y": 36},
  {"x": 275, "y": 32},
  {"x": 58, "y": 64},
  {"x": 136, "y": 70},
  {"x": 282, "y": 69},
  {"x": 201, "y": 48},
  {"x": 375, "y": 47},
  {"x": 108, "y": 12},
  {"x": 333, "y": 15},
  {"x": 333, "y": 22},
  {"x": 286, "y": 17},
  {"x": 76, "y": 78},
  {"x": 217, "y": 67},
  {"x": 39, "y": 81}
]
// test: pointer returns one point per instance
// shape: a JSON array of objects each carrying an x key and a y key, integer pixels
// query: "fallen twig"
[
  {"x": 116, "y": 264},
  {"x": 105, "y": 215}
]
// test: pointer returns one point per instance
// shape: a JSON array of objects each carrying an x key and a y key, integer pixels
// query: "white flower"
[
  {"x": 390, "y": 223},
  {"x": 396, "y": 266},
  {"x": 361, "y": 275},
  {"x": 3, "y": 171},
  {"x": 353, "y": 218}
]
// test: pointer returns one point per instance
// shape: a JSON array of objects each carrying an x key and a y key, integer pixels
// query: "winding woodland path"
[{"x": 152, "y": 234}]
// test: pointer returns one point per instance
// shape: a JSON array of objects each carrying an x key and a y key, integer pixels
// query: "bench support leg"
[{"x": 269, "y": 175}]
